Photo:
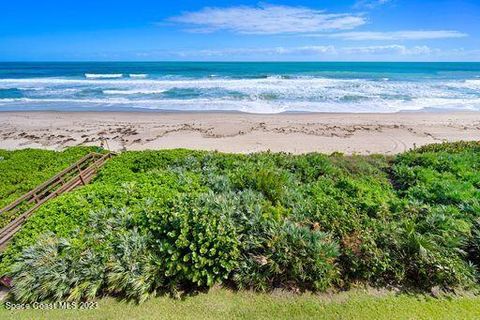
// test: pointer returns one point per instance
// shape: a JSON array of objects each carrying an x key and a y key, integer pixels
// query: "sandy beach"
[{"x": 236, "y": 132}]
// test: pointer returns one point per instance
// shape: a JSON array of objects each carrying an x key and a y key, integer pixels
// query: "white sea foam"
[
  {"x": 264, "y": 95},
  {"x": 103, "y": 75},
  {"x": 475, "y": 83},
  {"x": 252, "y": 106},
  {"x": 138, "y": 75},
  {"x": 133, "y": 91}
]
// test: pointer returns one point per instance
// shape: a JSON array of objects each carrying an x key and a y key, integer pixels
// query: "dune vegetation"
[
  {"x": 23, "y": 170},
  {"x": 177, "y": 221}
]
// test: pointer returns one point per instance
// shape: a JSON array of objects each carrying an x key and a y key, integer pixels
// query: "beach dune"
[{"x": 237, "y": 132}]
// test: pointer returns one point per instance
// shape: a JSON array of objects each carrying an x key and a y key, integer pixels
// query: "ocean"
[{"x": 254, "y": 87}]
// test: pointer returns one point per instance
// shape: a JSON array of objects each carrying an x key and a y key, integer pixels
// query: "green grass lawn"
[{"x": 223, "y": 304}]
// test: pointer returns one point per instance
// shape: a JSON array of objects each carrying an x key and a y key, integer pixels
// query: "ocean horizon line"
[{"x": 237, "y": 61}]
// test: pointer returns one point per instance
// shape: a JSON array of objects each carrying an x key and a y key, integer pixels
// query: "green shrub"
[
  {"x": 288, "y": 256},
  {"x": 431, "y": 242},
  {"x": 162, "y": 221},
  {"x": 54, "y": 269},
  {"x": 134, "y": 271},
  {"x": 111, "y": 256},
  {"x": 195, "y": 239},
  {"x": 442, "y": 180}
]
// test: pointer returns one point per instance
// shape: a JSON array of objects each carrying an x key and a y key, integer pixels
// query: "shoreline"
[
  {"x": 237, "y": 132},
  {"x": 5, "y": 110}
]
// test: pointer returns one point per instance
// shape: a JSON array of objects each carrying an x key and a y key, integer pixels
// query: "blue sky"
[{"x": 368, "y": 30}]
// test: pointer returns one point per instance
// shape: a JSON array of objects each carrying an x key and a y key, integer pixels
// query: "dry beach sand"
[{"x": 237, "y": 132}]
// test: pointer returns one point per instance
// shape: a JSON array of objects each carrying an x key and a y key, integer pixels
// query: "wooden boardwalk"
[{"x": 78, "y": 174}]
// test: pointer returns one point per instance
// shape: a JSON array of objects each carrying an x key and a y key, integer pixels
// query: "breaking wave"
[
  {"x": 270, "y": 94},
  {"x": 103, "y": 76}
]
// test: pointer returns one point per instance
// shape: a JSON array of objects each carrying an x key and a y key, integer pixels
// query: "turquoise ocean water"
[{"x": 248, "y": 87}]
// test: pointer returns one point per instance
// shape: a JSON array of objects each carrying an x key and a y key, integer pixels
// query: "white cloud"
[
  {"x": 394, "y": 49},
  {"x": 314, "y": 51},
  {"x": 396, "y": 35},
  {"x": 275, "y": 51},
  {"x": 267, "y": 19},
  {"x": 392, "y": 52},
  {"x": 370, "y": 4}
]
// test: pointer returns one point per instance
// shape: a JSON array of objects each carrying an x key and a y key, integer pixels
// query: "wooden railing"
[{"x": 80, "y": 173}]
